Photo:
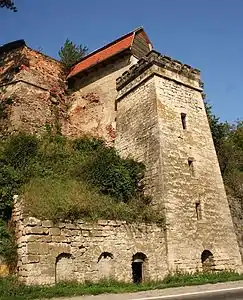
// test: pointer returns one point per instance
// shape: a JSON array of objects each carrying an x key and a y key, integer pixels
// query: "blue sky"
[{"x": 206, "y": 34}]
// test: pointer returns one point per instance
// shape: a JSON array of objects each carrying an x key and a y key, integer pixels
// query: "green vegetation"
[
  {"x": 228, "y": 141},
  {"x": 61, "y": 179},
  {"x": 71, "y": 53},
  {"x": 11, "y": 289},
  {"x": 7, "y": 245},
  {"x": 64, "y": 179}
]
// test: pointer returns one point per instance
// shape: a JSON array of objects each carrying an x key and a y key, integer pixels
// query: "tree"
[
  {"x": 228, "y": 141},
  {"x": 9, "y": 4},
  {"x": 219, "y": 130},
  {"x": 71, "y": 53}
]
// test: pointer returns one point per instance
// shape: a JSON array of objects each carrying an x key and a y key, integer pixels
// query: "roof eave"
[{"x": 98, "y": 63}]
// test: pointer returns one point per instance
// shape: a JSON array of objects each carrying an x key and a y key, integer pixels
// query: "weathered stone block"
[
  {"x": 66, "y": 232},
  {"x": 47, "y": 223},
  {"x": 54, "y": 231},
  {"x": 85, "y": 233},
  {"x": 36, "y": 230},
  {"x": 37, "y": 248},
  {"x": 70, "y": 226},
  {"x": 31, "y": 221},
  {"x": 102, "y": 222},
  {"x": 30, "y": 259}
]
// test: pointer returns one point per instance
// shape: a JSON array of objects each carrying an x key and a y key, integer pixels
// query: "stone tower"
[{"x": 161, "y": 120}]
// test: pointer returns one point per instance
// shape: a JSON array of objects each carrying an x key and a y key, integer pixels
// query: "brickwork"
[{"x": 32, "y": 91}]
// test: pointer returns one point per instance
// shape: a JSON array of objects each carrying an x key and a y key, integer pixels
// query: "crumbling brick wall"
[
  {"x": 32, "y": 91},
  {"x": 92, "y": 106}
]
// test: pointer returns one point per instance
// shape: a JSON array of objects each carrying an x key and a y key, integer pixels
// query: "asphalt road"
[
  {"x": 220, "y": 295},
  {"x": 219, "y": 291}
]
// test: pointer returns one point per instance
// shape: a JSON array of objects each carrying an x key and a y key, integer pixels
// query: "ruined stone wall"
[
  {"x": 31, "y": 91},
  {"x": 92, "y": 104},
  {"x": 31, "y": 66},
  {"x": 182, "y": 165},
  {"x": 81, "y": 250},
  {"x": 33, "y": 94}
]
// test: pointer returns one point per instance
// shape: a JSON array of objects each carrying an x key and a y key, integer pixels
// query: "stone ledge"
[{"x": 166, "y": 62}]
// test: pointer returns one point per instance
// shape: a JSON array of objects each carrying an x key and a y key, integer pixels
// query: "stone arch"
[
  {"x": 105, "y": 265},
  {"x": 207, "y": 258},
  {"x": 139, "y": 267},
  {"x": 64, "y": 267}
]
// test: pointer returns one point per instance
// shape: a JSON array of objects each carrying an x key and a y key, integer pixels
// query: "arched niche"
[
  {"x": 64, "y": 268},
  {"x": 105, "y": 265},
  {"x": 208, "y": 263}
]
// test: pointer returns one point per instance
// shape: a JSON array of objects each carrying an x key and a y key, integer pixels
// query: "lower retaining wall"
[{"x": 80, "y": 251}]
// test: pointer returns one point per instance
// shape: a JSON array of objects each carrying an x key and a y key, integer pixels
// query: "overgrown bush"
[
  {"x": 65, "y": 179},
  {"x": 10, "y": 182},
  {"x": 20, "y": 149},
  {"x": 7, "y": 245},
  {"x": 113, "y": 175},
  {"x": 228, "y": 141}
]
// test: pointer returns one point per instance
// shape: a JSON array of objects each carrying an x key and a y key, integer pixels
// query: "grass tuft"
[
  {"x": 68, "y": 199},
  {"x": 11, "y": 289}
]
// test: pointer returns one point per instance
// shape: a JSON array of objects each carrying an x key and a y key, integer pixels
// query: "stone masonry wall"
[
  {"x": 92, "y": 104},
  {"x": 86, "y": 250},
  {"x": 31, "y": 91},
  {"x": 189, "y": 189},
  {"x": 182, "y": 169}
]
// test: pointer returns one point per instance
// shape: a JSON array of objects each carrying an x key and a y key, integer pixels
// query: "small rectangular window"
[
  {"x": 199, "y": 210},
  {"x": 183, "y": 120},
  {"x": 191, "y": 166}
]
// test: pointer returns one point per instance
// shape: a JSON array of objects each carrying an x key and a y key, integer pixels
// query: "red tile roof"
[{"x": 117, "y": 46}]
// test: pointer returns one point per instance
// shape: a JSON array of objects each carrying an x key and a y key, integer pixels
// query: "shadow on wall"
[
  {"x": 106, "y": 265},
  {"x": 208, "y": 263},
  {"x": 64, "y": 268}
]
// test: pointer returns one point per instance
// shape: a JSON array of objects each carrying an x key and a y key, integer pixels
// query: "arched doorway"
[
  {"x": 138, "y": 267},
  {"x": 64, "y": 268},
  {"x": 105, "y": 265},
  {"x": 207, "y": 261}
]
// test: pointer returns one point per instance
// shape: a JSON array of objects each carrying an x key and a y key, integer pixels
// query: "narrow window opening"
[
  {"x": 199, "y": 210},
  {"x": 183, "y": 120},
  {"x": 191, "y": 166}
]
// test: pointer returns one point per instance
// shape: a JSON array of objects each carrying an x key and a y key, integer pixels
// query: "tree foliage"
[
  {"x": 71, "y": 53},
  {"x": 9, "y": 4},
  {"x": 228, "y": 141}
]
